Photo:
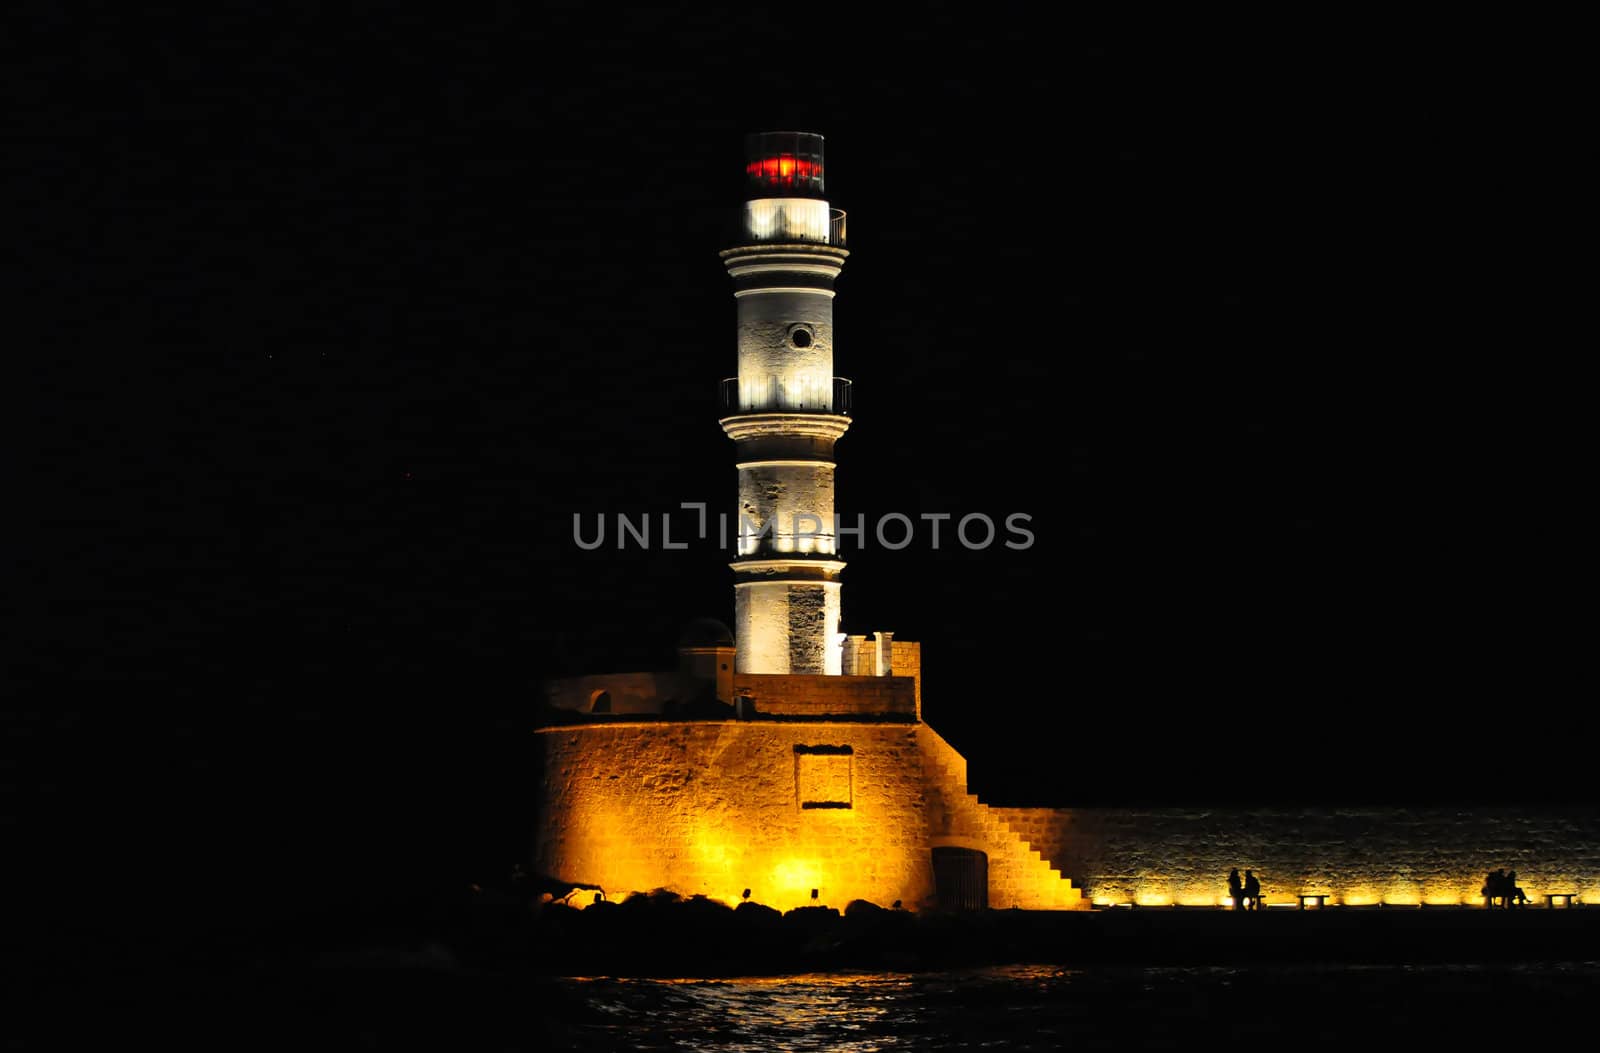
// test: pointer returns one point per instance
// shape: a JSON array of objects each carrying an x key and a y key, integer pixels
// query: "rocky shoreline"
[{"x": 669, "y": 937}]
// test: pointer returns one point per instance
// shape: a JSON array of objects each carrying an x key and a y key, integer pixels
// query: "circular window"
[{"x": 801, "y": 336}]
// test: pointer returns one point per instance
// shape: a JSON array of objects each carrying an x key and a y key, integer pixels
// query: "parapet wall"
[
  {"x": 799, "y": 694},
  {"x": 1357, "y": 855},
  {"x": 908, "y": 663},
  {"x": 623, "y": 692}
]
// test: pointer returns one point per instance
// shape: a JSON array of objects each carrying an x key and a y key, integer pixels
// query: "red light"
[{"x": 783, "y": 170}]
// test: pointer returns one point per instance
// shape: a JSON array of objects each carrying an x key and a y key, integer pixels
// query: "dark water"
[{"x": 1044, "y": 1007}]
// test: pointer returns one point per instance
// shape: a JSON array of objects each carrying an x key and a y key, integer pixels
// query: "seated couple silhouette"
[{"x": 1246, "y": 894}]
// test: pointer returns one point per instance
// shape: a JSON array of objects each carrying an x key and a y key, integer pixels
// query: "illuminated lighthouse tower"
[{"x": 785, "y": 410}]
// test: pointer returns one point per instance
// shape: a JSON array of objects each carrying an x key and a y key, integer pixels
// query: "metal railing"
[{"x": 775, "y": 394}]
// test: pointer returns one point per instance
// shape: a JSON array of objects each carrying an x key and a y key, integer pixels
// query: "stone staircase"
[{"x": 1018, "y": 875}]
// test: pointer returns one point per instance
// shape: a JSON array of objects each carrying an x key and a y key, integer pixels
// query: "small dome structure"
[{"x": 705, "y": 632}]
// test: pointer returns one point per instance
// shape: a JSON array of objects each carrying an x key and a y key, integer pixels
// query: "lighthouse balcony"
[{"x": 778, "y": 394}]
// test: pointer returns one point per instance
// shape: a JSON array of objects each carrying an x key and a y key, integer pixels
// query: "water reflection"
[
  {"x": 1047, "y": 1007},
  {"x": 850, "y": 1013},
  {"x": 812, "y": 1012}
]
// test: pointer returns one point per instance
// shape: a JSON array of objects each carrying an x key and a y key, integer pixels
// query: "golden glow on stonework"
[
  {"x": 624, "y": 830},
  {"x": 1402, "y": 894},
  {"x": 1155, "y": 891},
  {"x": 720, "y": 861},
  {"x": 793, "y": 879}
]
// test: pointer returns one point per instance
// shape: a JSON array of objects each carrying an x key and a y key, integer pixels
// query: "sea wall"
[{"x": 1357, "y": 856}]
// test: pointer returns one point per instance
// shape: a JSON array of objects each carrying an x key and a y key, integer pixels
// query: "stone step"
[{"x": 1015, "y": 864}]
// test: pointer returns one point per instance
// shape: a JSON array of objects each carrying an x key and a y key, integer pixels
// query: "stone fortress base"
[{"x": 709, "y": 782}]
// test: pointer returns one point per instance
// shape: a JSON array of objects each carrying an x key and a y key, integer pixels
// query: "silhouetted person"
[
  {"x": 1494, "y": 888},
  {"x": 1514, "y": 895},
  {"x": 1252, "y": 890},
  {"x": 1235, "y": 889}
]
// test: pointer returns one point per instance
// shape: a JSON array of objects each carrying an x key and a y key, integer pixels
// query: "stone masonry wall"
[
  {"x": 1358, "y": 855},
  {"x": 1018, "y": 875},
  {"x": 908, "y": 662},
  {"x": 715, "y": 807}
]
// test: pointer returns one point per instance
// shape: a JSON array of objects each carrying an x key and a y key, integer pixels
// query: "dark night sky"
[{"x": 333, "y": 329}]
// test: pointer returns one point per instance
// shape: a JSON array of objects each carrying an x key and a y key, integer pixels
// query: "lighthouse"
[
  {"x": 804, "y": 773},
  {"x": 785, "y": 410}
]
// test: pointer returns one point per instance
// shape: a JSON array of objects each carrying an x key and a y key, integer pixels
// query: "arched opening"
[
  {"x": 600, "y": 702},
  {"x": 961, "y": 878}
]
